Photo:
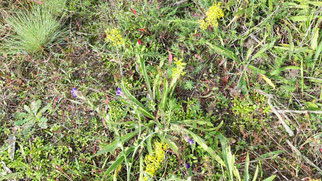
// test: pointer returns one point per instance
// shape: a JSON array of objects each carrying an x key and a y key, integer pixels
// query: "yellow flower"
[
  {"x": 153, "y": 161},
  {"x": 203, "y": 24},
  {"x": 212, "y": 15},
  {"x": 114, "y": 36},
  {"x": 177, "y": 71}
]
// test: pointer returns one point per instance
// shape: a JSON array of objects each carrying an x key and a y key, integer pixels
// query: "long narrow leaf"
[
  {"x": 164, "y": 95},
  {"x": 119, "y": 160},
  {"x": 264, "y": 49},
  {"x": 112, "y": 146},
  {"x": 246, "y": 172},
  {"x": 224, "y": 52},
  {"x": 145, "y": 74},
  {"x": 133, "y": 100},
  {"x": 256, "y": 173},
  {"x": 202, "y": 143},
  {"x": 270, "y": 178}
]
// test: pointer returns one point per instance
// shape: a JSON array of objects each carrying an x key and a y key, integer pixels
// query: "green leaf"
[
  {"x": 149, "y": 144},
  {"x": 119, "y": 160},
  {"x": 246, "y": 172},
  {"x": 298, "y": 18},
  {"x": 164, "y": 95},
  {"x": 188, "y": 123},
  {"x": 315, "y": 36},
  {"x": 43, "y": 123},
  {"x": 256, "y": 173},
  {"x": 11, "y": 176},
  {"x": 201, "y": 142},
  {"x": 171, "y": 145},
  {"x": 224, "y": 52},
  {"x": 318, "y": 52},
  {"x": 35, "y": 105},
  {"x": 270, "y": 178},
  {"x": 141, "y": 178},
  {"x": 229, "y": 158},
  {"x": 271, "y": 154},
  {"x": 132, "y": 100},
  {"x": 290, "y": 68},
  {"x": 264, "y": 49},
  {"x": 112, "y": 146},
  {"x": 312, "y": 106},
  {"x": 27, "y": 108},
  {"x": 256, "y": 70},
  {"x": 145, "y": 74}
]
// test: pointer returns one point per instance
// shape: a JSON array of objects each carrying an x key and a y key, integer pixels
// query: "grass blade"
[
  {"x": 119, "y": 160},
  {"x": 202, "y": 143},
  {"x": 112, "y": 146},
  {"x": 246, "y": 174},
  {"x": 270, "y": 178},
  {"x": 224, "y": 52}
]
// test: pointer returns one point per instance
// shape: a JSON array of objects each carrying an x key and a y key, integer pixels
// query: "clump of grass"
[{"x": 34, "y": 30}]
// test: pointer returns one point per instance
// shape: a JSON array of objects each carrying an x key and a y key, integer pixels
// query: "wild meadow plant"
[
  {"x": 34, "y": 30},
  {"x": 212, "y": 15},
  {"x": 152, "y": 120}
]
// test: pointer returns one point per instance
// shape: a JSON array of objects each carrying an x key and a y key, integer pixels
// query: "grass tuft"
[{"x": 34, "y": 30}]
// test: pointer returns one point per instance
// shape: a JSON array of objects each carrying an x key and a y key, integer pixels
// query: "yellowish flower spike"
[
  {"x": 212, "y": 15},
  {"x": 177, "y": 71},
  {"x": 114, "y": 36},
  {"x": 153, "y": 161}
]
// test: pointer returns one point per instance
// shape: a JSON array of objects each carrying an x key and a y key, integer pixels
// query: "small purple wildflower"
[
  {"x": 191, "y": 141},
  {"x": 187, "y": 165},
  {"x": 118, "y": 92},
  {"x": 74, "y": 92}
]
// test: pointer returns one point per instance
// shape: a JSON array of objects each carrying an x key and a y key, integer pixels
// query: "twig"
[
  {"x": 299, "y": 112},
  {"x": 298, "y": 153},
  {"x": 287, "y": 128}
]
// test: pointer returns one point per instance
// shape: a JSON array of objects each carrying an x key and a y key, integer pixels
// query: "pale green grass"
[{"x": 33, "y": 31}]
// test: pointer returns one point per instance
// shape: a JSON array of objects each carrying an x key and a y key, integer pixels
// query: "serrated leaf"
[
  {"x": 27, "y": 108},
  {"x": 43, "y": 123},
  {"x": 35, "y": 105}
]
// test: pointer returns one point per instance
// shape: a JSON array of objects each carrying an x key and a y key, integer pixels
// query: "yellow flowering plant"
[
  {"x": 114, "y": 36},
  {"x": 212, "y": 15},
  {"x": 153, "y": 118},
  {"x": 154, "y": 160}
]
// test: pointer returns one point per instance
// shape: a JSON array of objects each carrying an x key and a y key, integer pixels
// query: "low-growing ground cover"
[{"x": 160, "y": 90}]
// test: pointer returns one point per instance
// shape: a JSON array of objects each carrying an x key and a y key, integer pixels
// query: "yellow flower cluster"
[
  {"x": 177, "y": 71},
  {"x": 213, "y": 14},
  {"x": 153, "y": 160},
  {"x": 114, "y": 36}
]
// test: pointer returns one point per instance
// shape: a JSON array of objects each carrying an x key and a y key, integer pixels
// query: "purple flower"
[
  {"x": 187, "y": 165},
  {"x": 191, "y": 141},
  {"x": 118, "y": 92},
  {"x": 74, "y": 92}
]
